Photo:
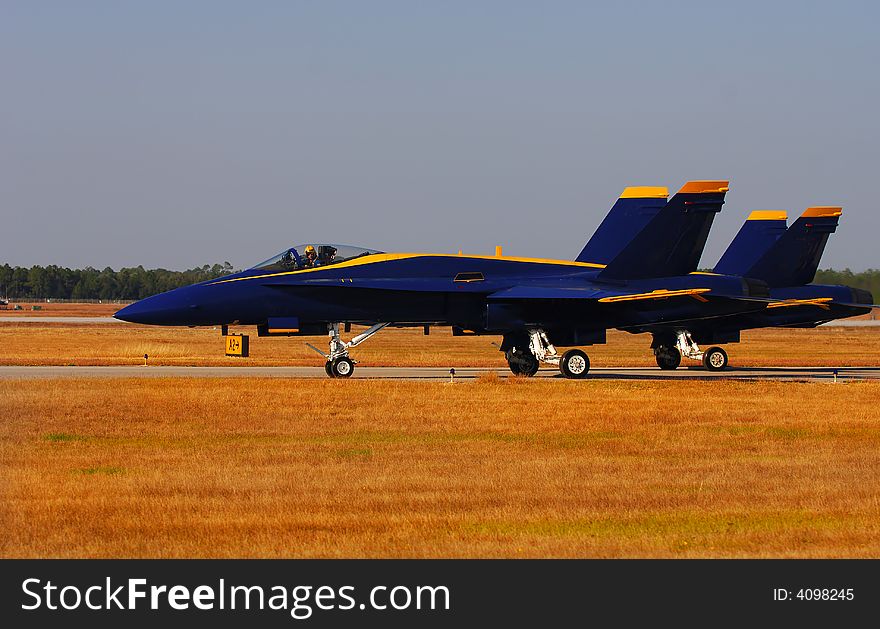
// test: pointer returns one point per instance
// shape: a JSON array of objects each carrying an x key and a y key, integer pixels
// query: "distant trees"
[
  {"x": 868, "y": 280},
  {"x": 56, "y": 282}
]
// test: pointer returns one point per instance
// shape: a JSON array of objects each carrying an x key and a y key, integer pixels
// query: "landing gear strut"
[
  {"x": 339, "y": 364},
  {"x": 669, "y": 356},
  {"x": 525, "y": 352}
]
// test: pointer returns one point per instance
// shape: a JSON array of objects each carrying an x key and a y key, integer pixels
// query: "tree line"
[
  {"x": 867, "y": 280},
  {"x": 57, "y": 282}
]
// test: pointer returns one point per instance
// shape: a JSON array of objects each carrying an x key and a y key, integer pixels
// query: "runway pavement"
[
  {"x": 852, "y": 323},
  {"x": 812, "y": 374}
]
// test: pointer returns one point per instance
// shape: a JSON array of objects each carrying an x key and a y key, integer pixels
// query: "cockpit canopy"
[{"x": 311, "y": 256}]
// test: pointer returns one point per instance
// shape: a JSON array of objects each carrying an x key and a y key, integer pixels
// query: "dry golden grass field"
[{"x": 499, "y": 467}]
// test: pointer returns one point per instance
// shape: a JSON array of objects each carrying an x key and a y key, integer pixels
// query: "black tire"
[
  {"x": 328, "y": 367},
  {"x": 574, "y": 364},
  {"x": 715, "y": 359},
  {"x": 342, "y": 367},
  {"x": 667, "y": 357},
  {"x": 514, "y": 367},
  {"x": 530, "y": 368},
  {"x": 522, "y": 363}
]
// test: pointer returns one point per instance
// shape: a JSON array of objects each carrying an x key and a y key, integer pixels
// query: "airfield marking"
[{"x": 825, "y": 374}]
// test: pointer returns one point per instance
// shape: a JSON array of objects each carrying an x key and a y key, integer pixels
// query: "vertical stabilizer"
[
  {"x": 635, "y": 208},
  {"x": 673, "y": 241},
  {"x": 794, "y": 257},
  {"x": 760, "y": 231}
]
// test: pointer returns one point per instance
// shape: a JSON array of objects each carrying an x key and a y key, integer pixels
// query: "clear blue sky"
[{"x": 180, "y": 133}]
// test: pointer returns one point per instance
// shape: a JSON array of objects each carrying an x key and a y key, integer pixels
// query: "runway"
[{"x": 798, "y": 374}]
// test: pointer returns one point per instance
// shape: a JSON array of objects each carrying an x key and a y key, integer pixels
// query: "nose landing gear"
[{"x": 339, "y": 364}]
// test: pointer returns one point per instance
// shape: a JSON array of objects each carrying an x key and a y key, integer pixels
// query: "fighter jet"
[
  {"x": 786, "y": 258},
  {"x": 637, "y": 271}
]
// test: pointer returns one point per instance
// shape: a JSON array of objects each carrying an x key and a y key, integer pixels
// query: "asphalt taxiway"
[{"x": 809, "y": 374}]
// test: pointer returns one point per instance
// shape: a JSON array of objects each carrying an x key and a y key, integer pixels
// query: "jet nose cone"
[
  {"x": 133, "y": 313},
  {"x": 175, "y": 307}
]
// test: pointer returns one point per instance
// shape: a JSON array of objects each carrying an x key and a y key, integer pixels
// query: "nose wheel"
[{"x": 340, "y": 367}]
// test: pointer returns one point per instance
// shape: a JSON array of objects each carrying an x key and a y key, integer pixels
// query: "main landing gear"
[
  {"x": 669, "y": 356},
  {"x": 525, "y": 351},
  {"x": 339, "y": 364}
]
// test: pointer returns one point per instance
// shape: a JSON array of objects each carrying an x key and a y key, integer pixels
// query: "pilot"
[
  {"x": 311, "y": 258},
  {"x": 327, "y": 255},
  {"x": 287, "y": 258}
]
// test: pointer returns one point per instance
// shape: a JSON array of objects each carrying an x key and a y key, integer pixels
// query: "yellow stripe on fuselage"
[
  {"x": 821, "y": 302},
  {"x": 657, "y": 294},
  {"x": 389, "y": 257}
]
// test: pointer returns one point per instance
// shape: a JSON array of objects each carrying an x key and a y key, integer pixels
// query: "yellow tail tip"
[
  {"x": 645, "y": 192},
  {"x": 826, "y": 211},
  {"x": 696, "y": 187},
  {"x": 768, "y": 215}
]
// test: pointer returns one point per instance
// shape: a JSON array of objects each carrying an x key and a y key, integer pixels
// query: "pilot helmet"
[{"x": 310, "y": 249}]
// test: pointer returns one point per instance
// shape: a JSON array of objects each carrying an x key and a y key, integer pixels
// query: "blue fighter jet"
[
  {"x": 787, "y": 260},
  {"x": 636, "y": 273}
]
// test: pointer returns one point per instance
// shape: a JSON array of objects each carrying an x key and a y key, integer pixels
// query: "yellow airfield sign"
[{"x": 237, "y": 345}]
